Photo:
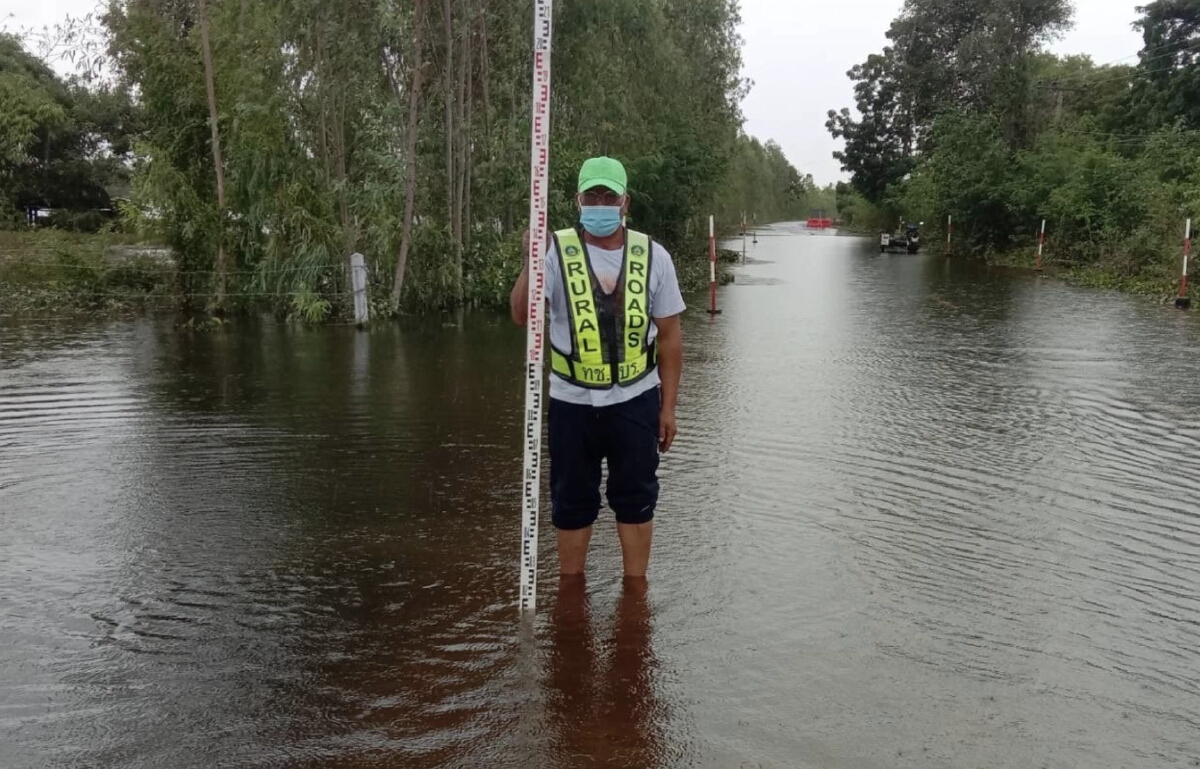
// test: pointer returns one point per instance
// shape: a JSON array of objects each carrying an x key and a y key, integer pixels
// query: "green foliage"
[
  {"x": 1098, "y": 94},
  {"x": 1098, "y": 204},
  {"x": 78, "y": 221},
  {"x": 34, "y": 103},
  {"x": 1107, "y": 156},
  {"x": 313, "y": 102},
  {"x": 765, "y": 187},
  {"x": 1169, "y": 72},
  {"x": 880, "y": 144},
  {"x": 28, "y": 110},
  {"x": 944, "y": 55},
  {"x": 62, "y": 146},
  {"x": 967, "y": 176},
  {"x": 309, "y": 307},
  {"x": 58, "y": 271},
  {"x": 313, "y": 99},
  {"x": 1105, "y": 207}
]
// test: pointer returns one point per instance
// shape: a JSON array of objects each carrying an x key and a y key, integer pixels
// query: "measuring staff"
[
  {"x": 616, "y": 354},
  {"x": 535, "y": 317}
]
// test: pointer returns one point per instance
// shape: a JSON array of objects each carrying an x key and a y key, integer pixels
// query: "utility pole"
[{"x": 1060, "y": 91}]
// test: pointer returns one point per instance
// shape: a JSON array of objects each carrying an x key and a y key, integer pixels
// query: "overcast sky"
[{"x": 797, "y": 53}]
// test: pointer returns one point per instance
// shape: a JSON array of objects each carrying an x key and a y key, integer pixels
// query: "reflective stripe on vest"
[{"x": 605, "y": 352}]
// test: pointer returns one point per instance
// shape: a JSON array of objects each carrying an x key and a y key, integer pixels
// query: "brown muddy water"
[{"x": 919, "y": 515}]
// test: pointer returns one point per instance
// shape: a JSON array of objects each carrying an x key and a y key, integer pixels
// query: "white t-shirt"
[{"x": 665, "y": 302}]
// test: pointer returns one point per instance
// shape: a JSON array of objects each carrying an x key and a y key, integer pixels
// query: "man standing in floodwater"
[{"x": 616, "y": 353}]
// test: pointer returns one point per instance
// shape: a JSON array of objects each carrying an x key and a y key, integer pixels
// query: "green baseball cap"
[{"x": 602, "y": 172}]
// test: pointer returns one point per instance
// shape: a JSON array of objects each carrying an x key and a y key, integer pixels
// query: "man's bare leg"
[
  {"x": 572, "y": 550},
  {"x": 635, "y": 546}
]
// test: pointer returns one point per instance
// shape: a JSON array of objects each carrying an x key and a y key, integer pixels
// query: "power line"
[
  {"x": 159, "y": 270},
  {"x": 1125, "y": 138},
  {"x": 83, "y": 314},
  {"x": 106, "y": 294},
  {"x": 1175, "y": 52},
  {"x": 1108, "y": 77}
]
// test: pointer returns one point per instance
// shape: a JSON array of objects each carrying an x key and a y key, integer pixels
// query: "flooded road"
[{"x": 918, "y": 515}]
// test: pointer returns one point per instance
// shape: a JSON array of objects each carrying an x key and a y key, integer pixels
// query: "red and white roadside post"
[
  {"x": 712, "y": 265},
  {"x": 1183, "y": 301}
]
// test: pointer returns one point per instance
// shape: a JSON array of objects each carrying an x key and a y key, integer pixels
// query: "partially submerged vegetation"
[
  {"x": 54, "y": 271},
  {"x": 965, "y": 114},
  {"x": 264, "y": 148}
]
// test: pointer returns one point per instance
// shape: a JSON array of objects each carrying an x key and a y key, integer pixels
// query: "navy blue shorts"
[{"x": 626, "y": 435}]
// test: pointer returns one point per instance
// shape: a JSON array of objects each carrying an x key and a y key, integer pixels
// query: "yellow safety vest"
[{"x": 608, "y": 331}]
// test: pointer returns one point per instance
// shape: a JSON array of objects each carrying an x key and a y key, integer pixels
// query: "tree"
[
  {"x": 879, "y": 145},
  {"x": 61, "y": 146},
  {"x": 1068, "y": 89},
  {"x": 1168, "y": 74},
  {"x": 972, "y": 55},
  {"x": 218, "y": 165},
  {"x": 410, "y": 152},
  {"x": 402, "y": 130}
]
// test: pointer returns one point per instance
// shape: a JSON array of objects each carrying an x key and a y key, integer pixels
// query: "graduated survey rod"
[
  {"x": 949, "y": 234},
  {"x": 539, "y": 167},
  {"x": 1183, "y": 301},
  {"x": 712, "y": 266},
  {"x": 1041, "y": 244}
]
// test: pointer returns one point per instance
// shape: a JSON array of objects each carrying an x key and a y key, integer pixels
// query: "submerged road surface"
[{"x": 919, "y": 515}]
